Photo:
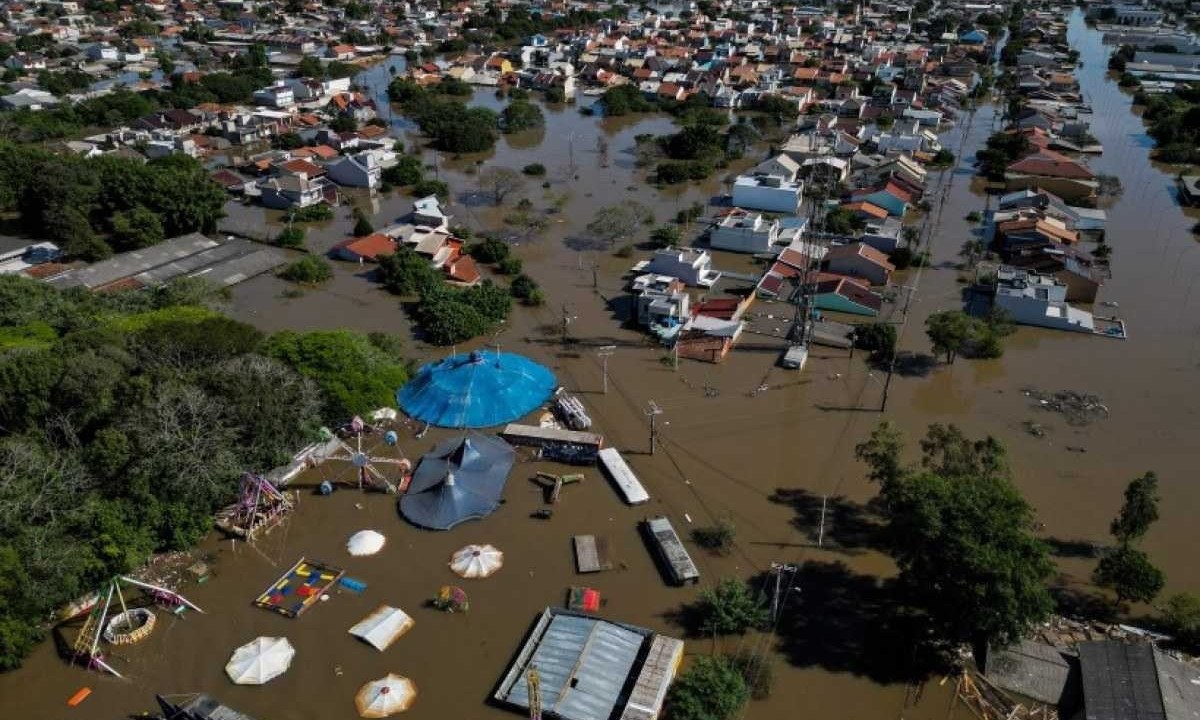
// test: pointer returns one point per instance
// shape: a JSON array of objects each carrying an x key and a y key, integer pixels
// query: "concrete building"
[
  {"x": 1039, "y": 300},
  {"x": 771, "y": 193},
  {"x": 661, "y": 300},
  {"x": 861, "y": 261},
  {"x": 744, "y": 233},
  {"x": 692, "y": 266},
  {"x": 356, "y": 170}
]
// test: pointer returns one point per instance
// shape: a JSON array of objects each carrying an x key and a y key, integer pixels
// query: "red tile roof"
[{"x": 370, "y": 247}]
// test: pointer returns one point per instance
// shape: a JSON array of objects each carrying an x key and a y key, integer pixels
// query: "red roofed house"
[
  {"x": 860, "y": 260},
  {"x": 1051, "y": 171},
  {"x": 365, "y": 249}
]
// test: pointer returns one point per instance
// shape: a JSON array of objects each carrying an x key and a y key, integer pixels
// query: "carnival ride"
[
  {"x": 368, "y": 463},
  {"x": 259, "y": 507},
  {"x": 124, "y": 628}
]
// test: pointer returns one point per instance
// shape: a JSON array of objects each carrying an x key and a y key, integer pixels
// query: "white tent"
[
  {"x": 382, "y": 627},
  {"x": 365, "y": 542},
  {"x": 260, "y": 660},
  {"x": 476, "y": 561},
  {"x": 385, "y": 696}
]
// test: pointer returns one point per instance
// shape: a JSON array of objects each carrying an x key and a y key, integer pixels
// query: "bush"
[
  {"x": 425, "y": 188},
  {"x": 625, "y": 251},
  {"x": 362, "y": 224},
  {"x": 665, "y": 236},
  {"x": 1182, "y": 617},
  {"x": 290, "y": 237},
  {"x": 757, "y": 670},
  {"x": 406, "y": 171},
  {"x": 534, "y": 169},
  {"x": 523, "y": 287},
  {"x": 313, "y": 213},
  {"x": 510, "y": 265},
  {"x": 522, "y": 115},
  {"x": 711, "y": 689},
  {"x": 555, "y": 94},
  {"x": 877, "y": 338},
  {"x": 407, "y": 273},
  {"x": 729, "y": 609},
  {"x": 901, "y": 257},
  {"x": 718, "y": 538},
  {"x": 489, "y": 250},
  {"x": 308, "y": 270},
  {"x": 674, "y": 172}
]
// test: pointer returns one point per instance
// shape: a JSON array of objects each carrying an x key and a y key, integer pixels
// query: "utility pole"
[
  {"x": 566, "y": 320},
  {"x": 653, "y": 411},
  {"x": 887, "y": 384},
  {"x": 604, "y": 353},
  {"x": 821, "y": 527},
  {"x": 777, "y": 569}
]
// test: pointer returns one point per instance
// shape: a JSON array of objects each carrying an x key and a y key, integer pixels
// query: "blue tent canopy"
[
  {"x": 459, "y": 480},
  {"x": 479, "y": 389}
]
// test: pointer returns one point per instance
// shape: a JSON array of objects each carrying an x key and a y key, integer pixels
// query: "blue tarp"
[
  {"x": 479, "y": 389},
  {"x": 459, "y": 480}
]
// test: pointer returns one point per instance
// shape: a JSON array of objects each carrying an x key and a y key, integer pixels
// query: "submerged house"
[{"x": 1039, "y": 300}]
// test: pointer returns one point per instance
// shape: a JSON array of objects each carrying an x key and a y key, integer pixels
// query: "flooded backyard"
[{"x": 730, "y": 449}]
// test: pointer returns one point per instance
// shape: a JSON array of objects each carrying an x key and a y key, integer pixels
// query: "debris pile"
[{"x": 1078, "y": 408}]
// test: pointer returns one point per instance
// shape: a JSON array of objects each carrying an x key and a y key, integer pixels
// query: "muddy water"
[{"x": 763, "y": 458}]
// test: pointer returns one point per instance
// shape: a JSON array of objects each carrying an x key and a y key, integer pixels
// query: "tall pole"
[
  {"x": 887, "y": 384},
  {"x": 653, "y": 411},
  {"x": 605, "y": 353},
  {"x": 821, "y": 527}
]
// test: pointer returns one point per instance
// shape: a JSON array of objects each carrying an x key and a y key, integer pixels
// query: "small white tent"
[{"x": 382, "y": 627}]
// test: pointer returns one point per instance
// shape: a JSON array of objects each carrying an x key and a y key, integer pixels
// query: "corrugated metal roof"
[
  {"x": 1035, "y": 670},
  {"x": 1120, "y": 682},
  {"x": 583, "y": 664},
  {"x": 1179, "y": 687}
]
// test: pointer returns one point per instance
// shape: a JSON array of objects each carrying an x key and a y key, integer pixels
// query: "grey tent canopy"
[{"x": 459, "y": 480}]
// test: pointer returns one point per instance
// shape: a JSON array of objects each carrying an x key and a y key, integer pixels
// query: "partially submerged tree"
[
  {"x": 500, "y": 182},
  {"x": 619, "y": 222},
  {"x": 711, "y": 689},
  {"x": 1139, "y": 511},
  {"x": 1129, "y": 573},
  {"x": 962, "y": 536},
  {"x": 730, "y": 608}
]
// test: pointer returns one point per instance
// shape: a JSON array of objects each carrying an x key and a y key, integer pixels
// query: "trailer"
[
  {"x": 569, "y": 446},
  {"x": 672, "y": 556},
  {"x": 622, "y": 476}
]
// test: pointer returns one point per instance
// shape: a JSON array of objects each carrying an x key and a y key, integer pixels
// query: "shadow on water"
[
  {"x": 849, "y": 527},
  {"x": 1079, "y": 602},
  {"x": 1073, "y": 547},
  {"x": 915, "y": 364},
  {"x": 845, "y": 622}
]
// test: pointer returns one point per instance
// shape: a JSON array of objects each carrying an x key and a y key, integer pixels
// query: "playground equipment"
[
  {"x": 552, "y": 485},
  {"x": 349, "y": 447},
  {"x": 260, "y": 506},
  {"x": 451, "y": 598},
  {"x": 299, "y": 588},
  {"x": 124, "y": 628}
]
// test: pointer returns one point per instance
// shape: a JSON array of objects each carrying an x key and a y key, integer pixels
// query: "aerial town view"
[{"x": 599, "y": 360}]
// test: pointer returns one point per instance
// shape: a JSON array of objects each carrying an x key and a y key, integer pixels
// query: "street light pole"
[{"x": 605, "y": 352}]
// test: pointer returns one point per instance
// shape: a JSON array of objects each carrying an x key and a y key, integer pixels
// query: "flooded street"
[{"x": 761, "y": 458}]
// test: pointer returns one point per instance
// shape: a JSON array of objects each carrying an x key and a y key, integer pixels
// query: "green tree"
[
  {"x": 354, "y": 375},
  {"x": 1129, "y": 573},
  {"x": 613, "y": 223},
  {"x": 500, "y": 183},
  {"x": 711, "y": 689},
  {"x": 407, "y": 273},
  {"x": 877, "y": 338},
  {"x": 308, "y": 270},
  {"x": 729, "y": 608},
  {"x": 521, "y": 115},
  {"x": 489, "y": 250},
  {"x": 1182, "y": 616},
  {"x": 290, "y": 237},
  {"x": 1139, "y": 511},
  {"x": 949, "y": 331},
  {"x": 961, "y": 535},
  {"x": 523, "y": 287},
  {"x": 135, "y": 229},
  {"x": 407, "y": 171},
  {"x": 665, "y": 236},
  {"x": 362, "y": 223}
]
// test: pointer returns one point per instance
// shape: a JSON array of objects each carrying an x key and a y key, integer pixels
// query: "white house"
[
  {"x": 103, "y": 53},
  {"x": 1040, "y": 300},
  {"x": 356, "y": 170},
  {"x": 661, "y": 299},
  {"x": 427, "y": 211},
  {"x": 744, "y": 232},
  {"x": 692, "y": 266},
  {"x": 285, "y": 192},
  {"x": 771, "y": 193},
  {"x": 279, "y": 96},
  {"x": 29, "y": 99}
]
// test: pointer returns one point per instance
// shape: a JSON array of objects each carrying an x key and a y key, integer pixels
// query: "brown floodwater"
[{"x": 760, "y": 457}]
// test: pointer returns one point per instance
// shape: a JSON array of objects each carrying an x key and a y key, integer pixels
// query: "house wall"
[
  {"x": 781, "y": 200},
  {"x": 1065, "y": 188},
  {"x": 856, "y": 266},
  {"x": 836, "y": 303}
]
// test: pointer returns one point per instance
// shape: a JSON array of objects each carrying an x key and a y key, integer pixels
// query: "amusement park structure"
[
  {"x": 260, "y": 505},
  {"x": 124, "y": 628},
  {"x": 348, "y": 446}
]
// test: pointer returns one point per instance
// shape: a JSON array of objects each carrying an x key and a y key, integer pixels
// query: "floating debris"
[{"x": 1078, "y": 408}]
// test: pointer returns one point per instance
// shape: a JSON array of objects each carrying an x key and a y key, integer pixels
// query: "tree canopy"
[
  {"x": 711, "y": 689},
  {"x": 961, "y": 535},
  {"x": 126, "y": 420}
]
